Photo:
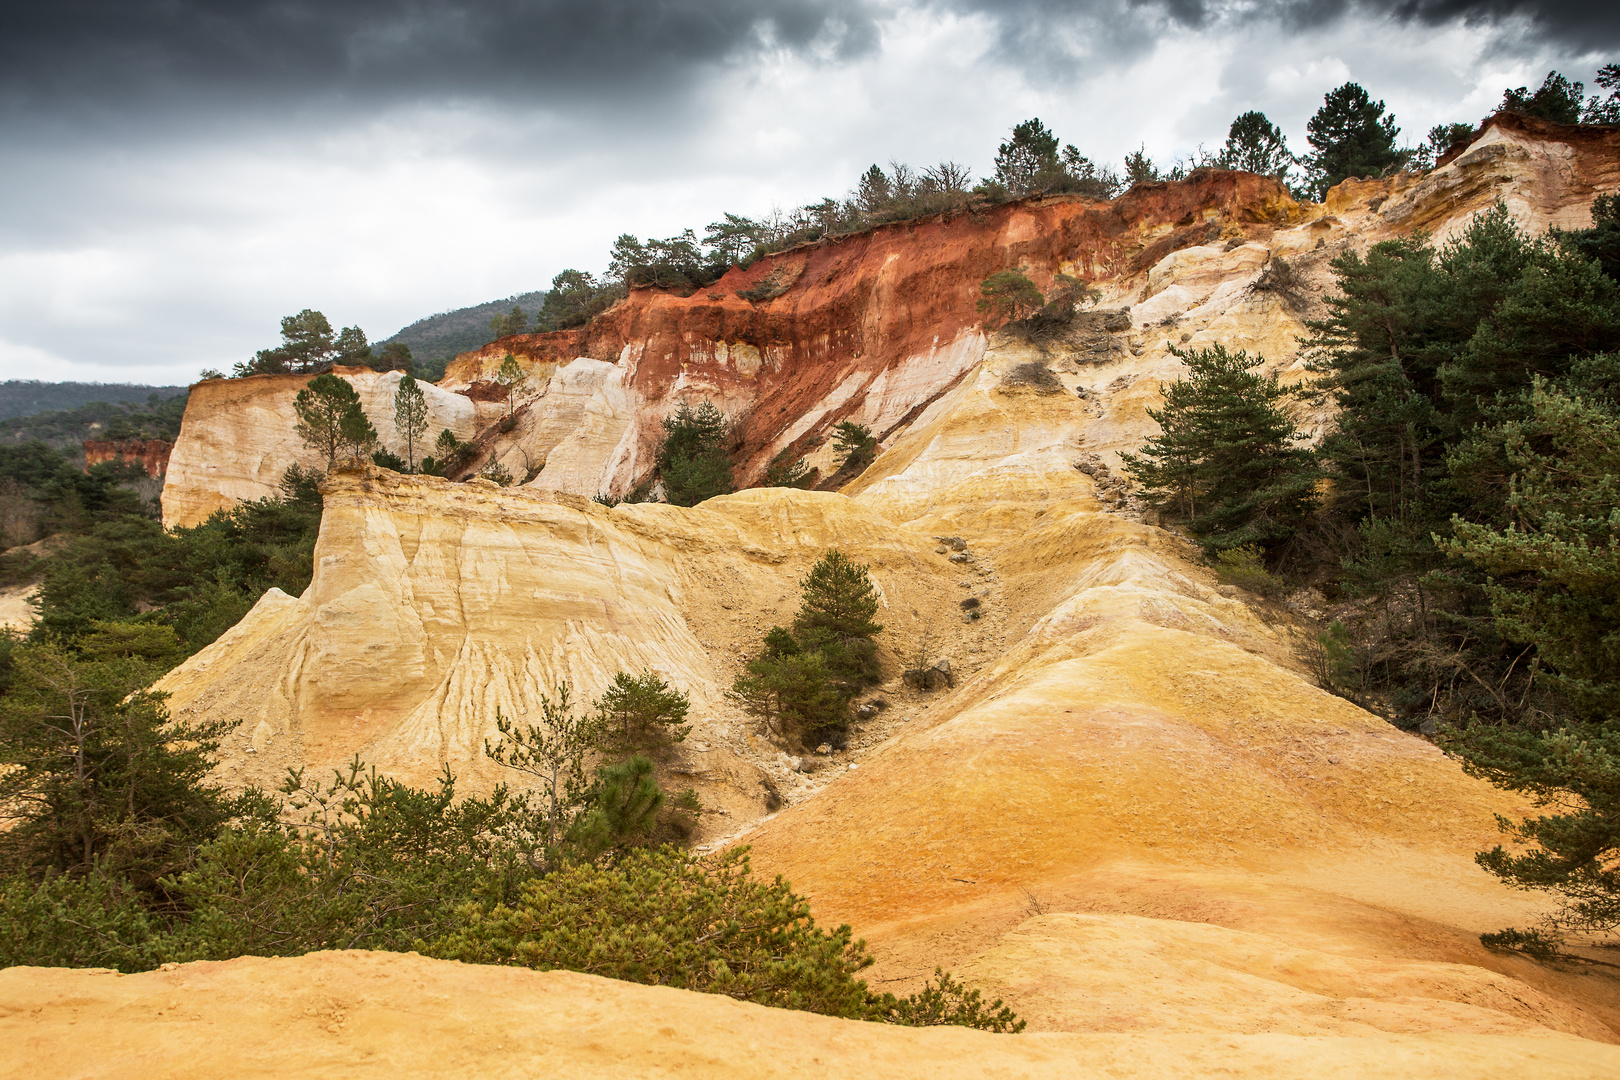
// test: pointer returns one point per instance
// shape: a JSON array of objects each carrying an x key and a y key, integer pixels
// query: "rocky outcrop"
[
  {"x": 150, "y": 454},
  {"x": 238, "y": 436},
  {"x": 878, "y": 326}
]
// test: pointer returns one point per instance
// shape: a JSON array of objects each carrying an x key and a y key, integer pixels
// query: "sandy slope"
[{"x": 361, "y": 1015}]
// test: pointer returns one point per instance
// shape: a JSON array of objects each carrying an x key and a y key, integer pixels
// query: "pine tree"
[
  {"x": 836, "y": 615},
  {"x": 1007, "y": 295},
  {"x": 1228, "y": 457},
  {"x": 1557, "y": 99},
  {"x": 410, "y": 416},
  {"x": 692, "y": 460},
  {"x": 856, "y": 443},
  {"x": 511, "y": 375},
  {"x": 1351, "y": 137},
  {"x": 96, "y": 778},
  {"x": 1029, "y": 156},
  {"x": 1555, "y": 585},
  {"x": 1254, "y": 144},
  {"x": 330, "y": 418},
  {"x": 641, "y": 714}
]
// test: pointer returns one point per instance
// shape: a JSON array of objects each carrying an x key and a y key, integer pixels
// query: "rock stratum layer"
[{"x": 1134, "y": 816}]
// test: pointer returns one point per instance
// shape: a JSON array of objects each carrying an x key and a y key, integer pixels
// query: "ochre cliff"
[
  {"x": 238, "y": 436},
  {"x": 1133, "y": 772},
  {"x": 875, "y": 327},
  {"x": 1135, "y": 815}
]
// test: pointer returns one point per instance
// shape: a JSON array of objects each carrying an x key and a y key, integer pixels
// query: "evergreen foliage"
[
  {"x": 1228, "y": 458},
  {"x": 1556, "y": 99},
  {"x": 856, "y": 443},
  {"x": 1604, "y": 110},
  {"x": 1254, "y": 144},
  {"x": 308, "y": 344},
  {"x": 95, "y": 780},
  {"x": 1472, "y": 523},
  {"x": 117, "y": 851},
  {"x": 641, "y": 714},
  {"x": 512, "y": 322},
  {"x": 802, "y": 682},
  {"x": 692, "y": 460},
  {"x": 835, "y": 618},
  {"x": 1350, "y": 136},
  {"x": 1007, "y": 295},
  {"x": 665, "y": 920},
  {"x": 786, "y": 471},
  {"x": 512, "y": 376},
  {"x": 330, "y": 419},
  {"x": 115, "y": 563},
  {"x": 410, "y": 416},
  {"x": 30, "y": 398}
]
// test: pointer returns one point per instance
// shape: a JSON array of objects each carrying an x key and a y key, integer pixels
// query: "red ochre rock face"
[
  {"x": 864, "y": 303},
  {"x": 150, "y": 454}
]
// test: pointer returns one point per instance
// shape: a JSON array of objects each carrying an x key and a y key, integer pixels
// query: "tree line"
[
  {"x": 1350, "y": 135},
  {"x": 1461, "y": 515}
]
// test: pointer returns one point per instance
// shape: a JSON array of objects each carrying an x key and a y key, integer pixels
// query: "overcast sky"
[{"x": 178, "y": 174}]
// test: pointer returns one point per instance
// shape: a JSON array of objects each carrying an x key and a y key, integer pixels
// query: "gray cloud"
[
  {"x": 149, "y": 59},
  {"x": 1053, "y": 35},
  {"x": 127, "y": 54}
]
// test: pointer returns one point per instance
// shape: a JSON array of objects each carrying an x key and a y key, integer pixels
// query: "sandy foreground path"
[{"x": 360, "y": 1015}]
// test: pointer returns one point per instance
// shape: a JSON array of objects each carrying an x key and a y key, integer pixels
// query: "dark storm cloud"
[
  {"x": 1585, "y": 24},
  {"x": 1112, "y": 30},
  {"x": 120, "y": 57},
  {"x": 122, "y": 54}
]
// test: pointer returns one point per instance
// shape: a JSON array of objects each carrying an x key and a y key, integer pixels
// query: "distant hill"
[
  {"x": 436, "y": 340},
  {"x": 155, "y": 417},
  {"x": 20, "y": 397}
]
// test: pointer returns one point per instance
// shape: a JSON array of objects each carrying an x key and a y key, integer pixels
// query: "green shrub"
[
  {"x": 665, "y": 919},
  {"x": 1245, "y": 567},
  {"x": 856, "y": 443},
  {"x": 692, "y": 460},
  {"x": 787, "y": 472}
]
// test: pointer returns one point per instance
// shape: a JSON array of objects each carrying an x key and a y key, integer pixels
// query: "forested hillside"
[
  {"x": 435, "y": 340},
  {"x": 25, "y": 397}
]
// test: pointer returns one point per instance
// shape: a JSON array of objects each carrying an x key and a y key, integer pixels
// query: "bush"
[
  {"x": 664, "y": 919},
  {"x": 801, "y": 684},
  {"x": 856, "y": 443},
  {"x": 1007, "y": 296},
  {"x": 692, "y": 460},
  {"x": 641, "y": 714},
  {"x": 787, "y": 472},
  {"x": 1245, "y": 567},
  {"x": 1228, "y": 458}
]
